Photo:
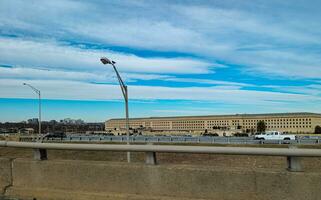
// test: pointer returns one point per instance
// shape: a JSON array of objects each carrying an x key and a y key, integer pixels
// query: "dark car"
[
  {"x": 241, "y": 135},
  {"x": 60, "y": 135},
  {"x": 210, "y": 134},
  {"x": 109, "y": 134}
]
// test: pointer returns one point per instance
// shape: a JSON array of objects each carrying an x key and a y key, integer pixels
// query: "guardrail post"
[
  {"x": 40, "y": 154},
  {"x": 294, "y": 162},
  {"x": 151, "y": 158}
]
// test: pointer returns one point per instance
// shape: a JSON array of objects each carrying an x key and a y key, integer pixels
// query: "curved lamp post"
[
  {"x": 123, "y": 88},
  {"x": 39, "y": 97}
]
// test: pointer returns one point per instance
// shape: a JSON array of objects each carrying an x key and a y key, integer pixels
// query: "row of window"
[
  {"x": 187, "y": 128},
  {"x": 190, "y": 126},
  {"x": 269, "y": 127},
  {"x": 163, "y": 123},
  {"x": 278, "y": 120}
]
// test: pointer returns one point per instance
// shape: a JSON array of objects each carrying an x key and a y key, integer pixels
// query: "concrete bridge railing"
[
  {"x": 293, "y": 154},
  {"x": 40, "y": 178}
]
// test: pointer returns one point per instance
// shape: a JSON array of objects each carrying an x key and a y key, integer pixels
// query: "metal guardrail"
[
  {"x": 174, "y": 139},
  {"x": 293, "y": 154}
]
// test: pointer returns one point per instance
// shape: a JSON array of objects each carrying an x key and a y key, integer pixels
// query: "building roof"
[{"x": 234, "y": 116}]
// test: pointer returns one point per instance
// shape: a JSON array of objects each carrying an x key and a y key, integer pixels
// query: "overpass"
[{"x": 41, "y": 178}]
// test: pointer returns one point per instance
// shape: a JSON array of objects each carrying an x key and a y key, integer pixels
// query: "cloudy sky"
[{"x": 177, "y": 57}]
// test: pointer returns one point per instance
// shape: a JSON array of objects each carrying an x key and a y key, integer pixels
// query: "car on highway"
[
  {"x": 241, "y": 135},
  {"x": 274, "y": 135},
  {"x": 108, "y": 134},
  {"x": 309, "y": 137},
  {"x": 52, "y": 135},
  {"x": 160, "y": 135},
  {"x": 210, "y": 134},
  {"x": 187, "y": 135}
]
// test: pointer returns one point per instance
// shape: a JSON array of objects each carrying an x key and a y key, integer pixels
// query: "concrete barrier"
[
  {"x": 54, "y": 179},
  {"x": 5, "y": 174}
]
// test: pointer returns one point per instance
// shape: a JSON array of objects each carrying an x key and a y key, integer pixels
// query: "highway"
[{"x": 184, "y": 139}]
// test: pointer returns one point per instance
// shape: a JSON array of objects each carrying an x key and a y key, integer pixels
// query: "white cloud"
[
  {"x": 45, "y": 74},
  {"x": 24, "y": 73},
  {"x": 282, "y": 64},
  {"x": 57, "y": 56},
  {"x": 244, "y": 24},
  {"x": 74, "y": 90},
  {"x": 207, "y": 81},
  {"x": 120, "y": 26},
  {"x": 312, "y": 89},
  {"x": 271, "y": 38},
  {"x": 229, "y": 31},
  {"x": 263, "y": 44}
]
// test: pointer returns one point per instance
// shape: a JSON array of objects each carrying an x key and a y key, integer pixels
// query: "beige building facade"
[{"x": 284, "y": 122}]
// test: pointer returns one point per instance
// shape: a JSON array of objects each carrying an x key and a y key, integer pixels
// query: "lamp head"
[{"x": 105, "y": 61}]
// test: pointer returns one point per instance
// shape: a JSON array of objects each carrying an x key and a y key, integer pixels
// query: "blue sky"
[{"x": 177, "y": 57}]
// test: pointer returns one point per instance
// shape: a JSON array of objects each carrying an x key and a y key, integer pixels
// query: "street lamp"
[
  {"x": 39, "y": 96},
  {"x": 123, "y": 88}
]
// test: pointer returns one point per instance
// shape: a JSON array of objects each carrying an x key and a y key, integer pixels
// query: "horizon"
[
  {"x": 154, "y": 116},
  {"x": 178, "y": 59},
  {"x": 172, "y": 116}
]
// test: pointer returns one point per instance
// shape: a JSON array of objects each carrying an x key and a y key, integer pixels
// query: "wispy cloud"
[
  {"x": 312, "y": 89},
  {"x": 87, "y": 91},
  {"x": 226, "y": 31},
  {"x": 18, "y": 52},
  {"x": 56, "y": 74},
  {"x": 275, "y": 63},
  {"x": 207, "y": 81}
]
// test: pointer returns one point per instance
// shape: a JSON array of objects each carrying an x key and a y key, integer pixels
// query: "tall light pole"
[
  {"x": 124, "y": 90},
  {"x": 39, "y": 97}
]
